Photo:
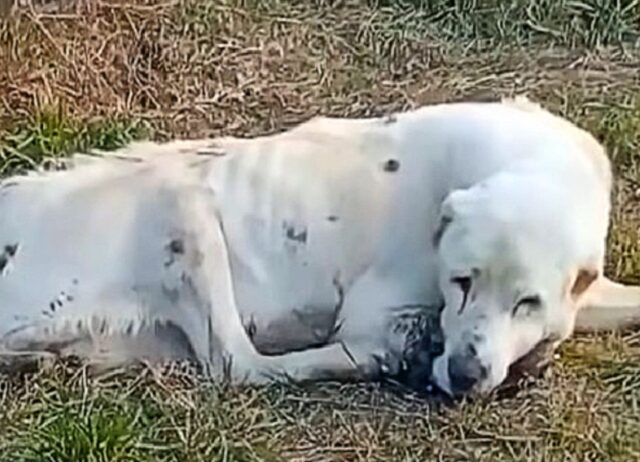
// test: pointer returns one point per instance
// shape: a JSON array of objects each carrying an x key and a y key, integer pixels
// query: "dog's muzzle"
[{"x": 465, "y": 372}]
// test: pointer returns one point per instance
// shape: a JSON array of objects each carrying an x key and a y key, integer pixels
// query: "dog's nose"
[{"x": 465, "y": 371}]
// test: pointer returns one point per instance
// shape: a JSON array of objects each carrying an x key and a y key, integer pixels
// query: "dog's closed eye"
[
  {"x": 530, "y": 303},
  {"x": 464, "y": 282}
]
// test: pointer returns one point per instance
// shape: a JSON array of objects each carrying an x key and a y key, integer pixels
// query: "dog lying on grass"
[{"x": 318, "y": 253}]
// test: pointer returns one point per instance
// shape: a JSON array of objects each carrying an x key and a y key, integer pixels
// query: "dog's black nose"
[{"x": 465, "y": 371}]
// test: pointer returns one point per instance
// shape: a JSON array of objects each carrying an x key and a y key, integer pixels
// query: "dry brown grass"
[{"x": 192, "y": 68}]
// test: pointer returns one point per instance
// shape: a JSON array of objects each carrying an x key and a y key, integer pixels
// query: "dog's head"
[{"x": 515, "y": 258}]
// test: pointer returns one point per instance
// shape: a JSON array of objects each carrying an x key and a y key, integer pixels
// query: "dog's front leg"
[
  {"x": 221, "y": 343},
  {"x": 337, "y": 361}
]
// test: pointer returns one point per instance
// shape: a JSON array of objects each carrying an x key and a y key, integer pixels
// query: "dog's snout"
[{"x": 465, "y": 371}]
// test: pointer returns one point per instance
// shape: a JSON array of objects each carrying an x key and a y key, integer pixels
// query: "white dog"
[{"x": 302, "y": 253}]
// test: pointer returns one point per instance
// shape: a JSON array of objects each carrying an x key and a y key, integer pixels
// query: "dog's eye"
[
  {"x": 464, "y": 282},
  {"x": 531, "y": 303}
]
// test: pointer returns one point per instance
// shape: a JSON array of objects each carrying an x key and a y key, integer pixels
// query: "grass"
[
  {"x": 49, "y": 134},
  {"x": 98, "y": 74},
  {"x": 566, "y": 23}
]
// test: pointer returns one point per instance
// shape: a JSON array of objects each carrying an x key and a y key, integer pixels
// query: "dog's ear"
[
  {"x": 447, "y": 212},
  {"x": 445, "y": 221},
  {"x": 451, "y": 207},
  {"x": 582, "y": 282}
]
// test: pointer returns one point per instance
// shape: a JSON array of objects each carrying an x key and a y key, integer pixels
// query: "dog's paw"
[
  {"x": 238, "y": 371},
  {"x": 388, "y": 364}
]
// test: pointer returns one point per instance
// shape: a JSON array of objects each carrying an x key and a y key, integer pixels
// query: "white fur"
[{"x": 313, "y": 239}]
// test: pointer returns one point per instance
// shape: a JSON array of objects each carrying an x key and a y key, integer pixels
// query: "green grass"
[
  {"x": 589, "y": 23},
  {"x": 62, "y": 416},
  {"x": 619, "y": 129},
  {"x": 102, "y": 76},
  {"x": 50, "y": 133},
  {"x": 73, "y": 431}
]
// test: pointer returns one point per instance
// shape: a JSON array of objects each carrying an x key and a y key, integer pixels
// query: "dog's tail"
[{"x": 609, "y": 306}]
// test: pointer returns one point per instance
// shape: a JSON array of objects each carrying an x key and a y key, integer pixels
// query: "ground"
[{"x": 100, "y": 73}]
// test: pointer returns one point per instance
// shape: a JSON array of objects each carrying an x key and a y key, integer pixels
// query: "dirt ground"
[{"x": 100, "y": 73}]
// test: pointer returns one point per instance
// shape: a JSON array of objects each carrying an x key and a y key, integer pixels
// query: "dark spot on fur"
[
  {"x": 391, "y": 165},
  {"x": 332, "y": 218},
  {"x": 11, "y": 250},
  {"x": 176, "y": 246},
  {"x": 69, "y": 298},
  {"x": 52, "y": 306},
  {"x": 7, "y": 254},
  {"x": 74, "y": 282},
  {"x": 300, "y": 237}
]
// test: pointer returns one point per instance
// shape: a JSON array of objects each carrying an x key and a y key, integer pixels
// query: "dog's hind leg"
[
  {"x": 230, "y": 346},
  {"x": 608, "y": 306},
  {"x": 153, "y": 343}
]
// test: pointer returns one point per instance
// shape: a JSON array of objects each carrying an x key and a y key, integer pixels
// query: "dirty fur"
[{"x": 308, "y": 254}]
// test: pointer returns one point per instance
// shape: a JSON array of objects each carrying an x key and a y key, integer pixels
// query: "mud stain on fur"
[
  {"x": 8, "y": 253},
  {"x": 174, "y": 248},
  {"x": 424, "y": 342},
  {"x": 391, "y": 166},
  {"x": 297, "y": 236}
]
